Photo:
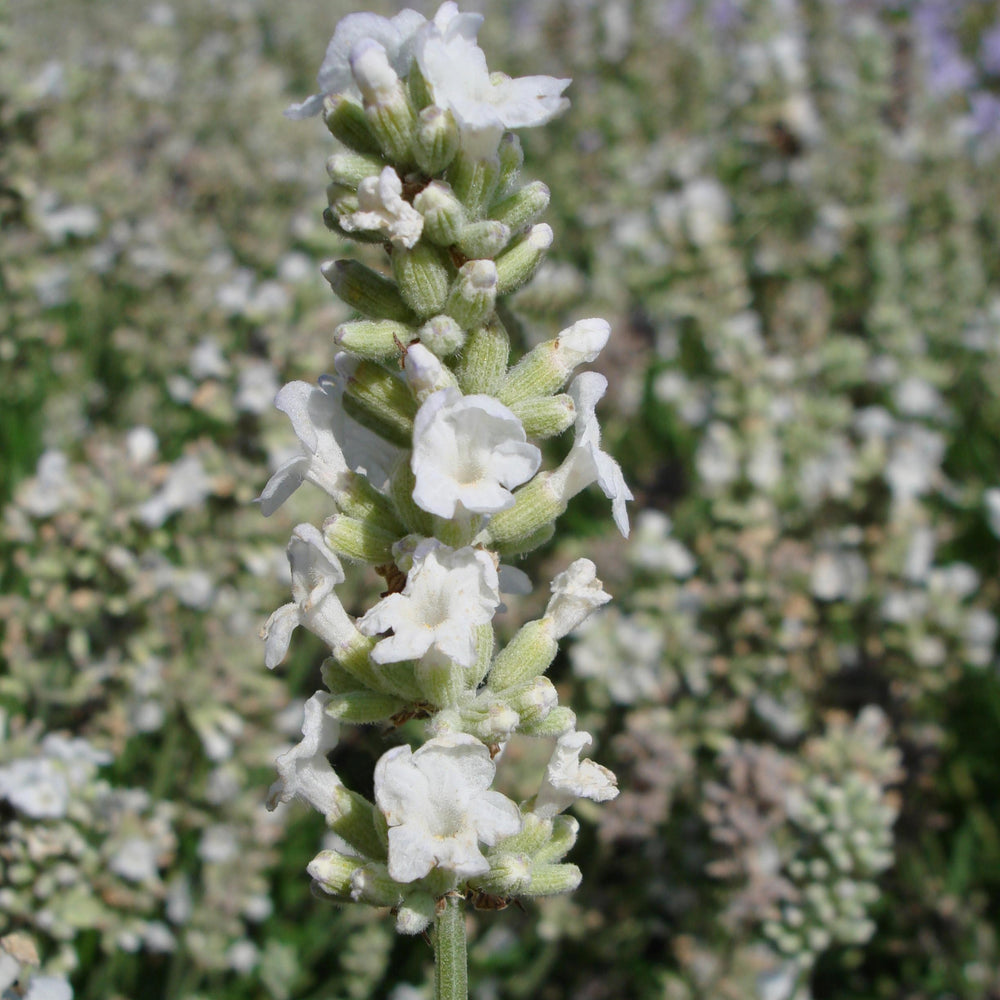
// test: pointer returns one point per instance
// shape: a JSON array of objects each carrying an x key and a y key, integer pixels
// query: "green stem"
[{"x": 451, "y": 973}]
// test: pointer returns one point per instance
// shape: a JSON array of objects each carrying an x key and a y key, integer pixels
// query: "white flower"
[
  {"x": 576, "y": 594},
  {"x": 187, "y": 486},
  {"x": 448, "y": 593},
  {"x": 304, "y": 772},
  {"x": 35, "y": 786},
  {"x": 437, "y": 803},
  {"x": 333, "y": 444},
  {"x": 381, "y": 208},
  {"x": 459, "y": 80},
  {"x": 49, "y": 988},
  {"x": 567, "y": 778},
  {"x": 468, "y": 453},
  {"x": 586, "y": 463},
  {"x": 395, "y": 35},
  {"x": 315, "y": 572}
]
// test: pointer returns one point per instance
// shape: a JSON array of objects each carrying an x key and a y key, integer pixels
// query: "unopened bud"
[
  {"x": 436, "y": 140},
  {"x": 442, "y": 335},
  {"x": 367, "y": 291},
  {"x": 545, "y": 416},
  {"x": 483, "y": 239},
  {"x": 518, "y": 262},
  {"x": 377, "y": 399},
  {"x": 424, "y": 372},
  {"x": 374, "y": 339},
  {"x": 522, "y": 207},
  {"x": 332, "y": 872},
  {"x": 364, "y": 707},
  {"x": 483, "y": 362},
  {"x": 474, "y": 181},
  {"x": 511, "y": 157},
  {"x": 346, "y": 120},
  {"x": 422, "y": 278},
  {"x": 350, "y": 169},
  {"x": 473, "y": 293},
  {"x": 527, "y": 655},
  {"x": 415, "y": 914},
  {"x": 357, "y": 540},
  {"x": 444, "y": 216},
  {"x": 552, "y": 880},
  {"x": 387, "y": 107}
]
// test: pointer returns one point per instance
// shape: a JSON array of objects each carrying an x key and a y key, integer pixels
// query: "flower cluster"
[{"x": 426, "y": 440}]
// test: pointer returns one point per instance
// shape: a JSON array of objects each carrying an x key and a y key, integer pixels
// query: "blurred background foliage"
[{"x": 789, "y": 211}]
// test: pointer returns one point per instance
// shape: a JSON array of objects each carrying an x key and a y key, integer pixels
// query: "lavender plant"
[{"x": 424, "y": 441}]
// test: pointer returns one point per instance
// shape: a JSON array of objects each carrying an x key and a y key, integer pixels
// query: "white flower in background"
[
  {"x": 586, "y": 463},
  {"x": 333, "y": 444},
  {"x": 437, "y": 803},
  {"x": 315, "y": 572},
  {"x": 567, "y": 778},
  {"x": 395, "y": 35},
  {"x": 187, "y": 486},
  {"x": 576, "y": 594},
  {"x": 448, "y": 593},
  {"x": 652, "y": 547},
  {"x": 35, "y": 786},
  {"x": 49, "y": 988},
  {"x": 991, "y": 499},
  {"x": 381, "y": 208},
  {"x": 304, "y": 772},
  {"x": 469, "y": 452},
  {"x": 483, "y": 104},
  {"x": 52, "y": 488}
]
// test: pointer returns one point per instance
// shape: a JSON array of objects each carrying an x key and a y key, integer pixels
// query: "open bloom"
[
  {"x": 567, "y": 778},
  {"x": 437, "y": 803},
  {"x": 381, "y": 208},
  {"x": 315, "y": 572},
  {"x": 448, "y": 593},
  {"x": 459, "y": 80},
  {"x": 576, "y": 594},
  {"x": 469, "y": 452},
  {"x": 304, "y": 772},
  {"x": 586, "y": 463},
  {"x": 333, "y": 445},
  {"x": 394, "y": 34}
]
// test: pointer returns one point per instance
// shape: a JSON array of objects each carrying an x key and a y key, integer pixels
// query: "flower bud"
[
  {"x": 357, "y": 540},
  {"x": 474, "y": 181},
  {"x": 367, "y": 291},
  {"x": 527, "y": 655},
  {"x": 387, "y": 107},
  {"x": 332, "y": 872},
  {"x": 473, "y": 293},
  {"x": 374, "y": 339},
  {"x": 364, "y": 707},
  {"x": 442, "y": 681},
  {"x": 483, "y": 362},
  {"x": 508, "y": 875},
  {"x": 536, "y": 506},
  {"x": 535, "y": 833},
  {"x": 346, "y": 120},
  {"x": 533, "y": 701},
  {"x": 371, "y": 884},
  {"x": 518, "y": 262},
  {"x": 422, "y": 278},
  {"x": 489, "y": 719},
  {"x": 436, "y": 140},
  {"x": 564, "y": 831},
  {"x": 356, "y": 823},
  {"x": 443, "y": 213},
  {"x": 350, "y": 169},
  {"x": 377, "y": 399},
  {"x": 523, "y": 206},
  {"x": 552, "y": 880},
  {"x": 483, "y": 239},
  {"x": 511, "y": 157},
  {"x": 415, "y": 914},
  {"x": 546, "y": 368},
  {"x": 442, "y": 335},
  {"x": 545, "y": 416},
  {"x": 359, "y": 499},
  {"x": 558, "y": 722},
  {"x": 424, "y": 372}
]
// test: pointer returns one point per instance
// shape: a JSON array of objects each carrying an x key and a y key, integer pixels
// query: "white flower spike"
[
  {"x": 469, "y": 452},
  {"x": 448, "y": 593},
  {"x": 439, "y": 807}
]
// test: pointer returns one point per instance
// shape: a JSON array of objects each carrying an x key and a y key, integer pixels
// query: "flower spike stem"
[{"x": 451, "y": 973}]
